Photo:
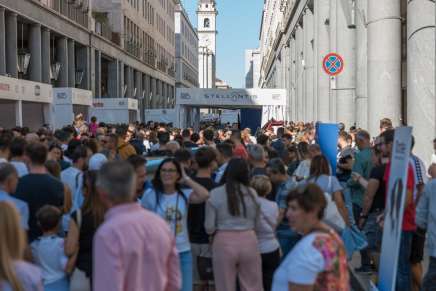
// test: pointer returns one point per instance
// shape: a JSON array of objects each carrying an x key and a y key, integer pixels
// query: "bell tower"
[{"x": 206, "y": 15}]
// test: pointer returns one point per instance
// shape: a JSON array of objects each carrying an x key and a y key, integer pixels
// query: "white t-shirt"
[
  {"x": 48, "y": 253},
  {"x": 301, "y": 266},
  {"x": 303, "y": 169},
  {"x": 174, "y": 209},
  {"x": 265, "y": 229}
]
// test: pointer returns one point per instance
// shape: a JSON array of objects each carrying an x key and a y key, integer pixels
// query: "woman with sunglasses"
[
  {"x": 169, "y": 200},
  {"x": 319, "y": 260}
]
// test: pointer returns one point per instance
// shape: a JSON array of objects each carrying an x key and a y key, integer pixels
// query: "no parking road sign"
[{"x": 333, "y": 64}]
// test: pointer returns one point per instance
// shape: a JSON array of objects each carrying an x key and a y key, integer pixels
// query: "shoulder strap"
[
  {"x": 79, "y": 218},
  {"x": 330, "y": 183},
  {"x": 77, "y": 180}
]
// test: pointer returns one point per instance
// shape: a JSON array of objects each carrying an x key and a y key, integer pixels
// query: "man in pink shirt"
[{"x": 134, "y": 249}]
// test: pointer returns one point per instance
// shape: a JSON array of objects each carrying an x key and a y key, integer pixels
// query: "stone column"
[
  {"x": 19, "y": 113},
  {"x": 62, "y": 57},
  {"x": 165, "y": 94},
  {"x": 129, "y": 82},
  {"x": 384, "y": 62},
  {"x": 138, "y": 84},
  {"x": 35, "y": 68},
  {"x": 11, "y": 45},
  {"x": 292, "y": 74},
  {"x": 2, "y": 42},
  {"x": 421, "y": 75},
  {"x": 362, "y": 65},
  {"x": 308, "y": 66},
  {"x": 346, "y": 82},
  {"x": 83, "y": 64},
  {"x": 114, "y": 79},
  {"x": 122, "y": 81},
  {"x": 299, "y": 74},
  {"x": 45, "y": 56},
  {"x": 154, "y": 97},
  {"x": 146, "y": 88},
  {"x": 322, "y": 48},
  {"x": 72, "y": 64},
  {"x": 98, "y": 74}
]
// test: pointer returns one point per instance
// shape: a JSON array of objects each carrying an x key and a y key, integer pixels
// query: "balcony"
[
  {"x": 103, "y": 28},
  {"x": 75, "y": 10}
]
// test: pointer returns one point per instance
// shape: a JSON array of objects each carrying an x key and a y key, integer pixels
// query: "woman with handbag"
[
  {"x": 268, "y": 244},
  {"x": 168, "y": 200},
  {"x": 318, "y": 261},
  {"x": 320, "y": 174},
  {"x": 232, "y": 213},
  {"x": 83, "y": 226}
]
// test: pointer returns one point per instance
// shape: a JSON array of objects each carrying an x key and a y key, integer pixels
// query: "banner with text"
[{"x": 395, "y": 201}]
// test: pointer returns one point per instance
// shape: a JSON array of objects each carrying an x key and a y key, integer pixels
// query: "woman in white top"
[
  {"x": 320, "y": 175},
  {"x": 319, "y": 260},
  {"x": 171, "y": 202},
  {"x": 268, "y": 244},
  {"x": 15, "y": 273}
]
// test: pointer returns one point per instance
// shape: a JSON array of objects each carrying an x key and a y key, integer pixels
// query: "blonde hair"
[
  {"x": 12, "y": 244},
  {"x": 262, "y": 185}
]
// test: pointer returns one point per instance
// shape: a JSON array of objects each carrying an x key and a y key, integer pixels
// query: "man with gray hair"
[
  {"x": 133, "y": 249},
  {"x": 8, "y": 185},
  {"x": 257, "y": 159}
]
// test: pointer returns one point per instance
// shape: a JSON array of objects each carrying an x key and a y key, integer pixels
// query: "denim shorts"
[{"x": 373, "y": 231}]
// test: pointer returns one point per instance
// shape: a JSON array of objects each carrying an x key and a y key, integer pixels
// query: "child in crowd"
[{"x": 48, "y": 250}]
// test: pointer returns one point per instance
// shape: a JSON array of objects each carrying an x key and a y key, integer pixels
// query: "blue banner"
[{"x": 327, "y": 137}]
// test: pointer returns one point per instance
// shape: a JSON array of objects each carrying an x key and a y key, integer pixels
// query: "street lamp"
[
  {"x": 79, "y": 77},
  {"x": 55, "y": 68},
  {"x": 23, "y": 62}
]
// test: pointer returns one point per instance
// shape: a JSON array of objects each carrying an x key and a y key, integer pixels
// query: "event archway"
[{"x": 257, "y": 105}]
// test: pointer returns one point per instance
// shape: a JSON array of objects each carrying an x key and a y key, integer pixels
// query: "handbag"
[
  {"x": 354, "y": 240},
  {"x": 205, "y": 268},
  {"x": 332, "y": 217}
]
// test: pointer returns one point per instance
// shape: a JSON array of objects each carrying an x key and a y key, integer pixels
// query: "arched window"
[{"x": 207, "y": 22}]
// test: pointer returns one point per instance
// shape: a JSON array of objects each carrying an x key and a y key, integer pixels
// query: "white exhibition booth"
[
  {"x": 160, "y": 115},
  {"x": 24, "y": 103},
  {"x": 68, "y": 103},
  {"x": 258, "y": 106},
  {"x": 115, "y": 110}
]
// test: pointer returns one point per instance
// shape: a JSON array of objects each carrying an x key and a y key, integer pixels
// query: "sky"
[{"x": 238, "y": 25}]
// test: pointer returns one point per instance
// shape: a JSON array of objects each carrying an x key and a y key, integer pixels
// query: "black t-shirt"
[
  {"x": 38, "y": 190},
  {"x": 86, "y": 236},
  {"x": 196, "y": 215},
  {"x": 379, "y": 198}
]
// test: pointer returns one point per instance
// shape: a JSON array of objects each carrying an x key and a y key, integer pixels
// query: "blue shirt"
[{"x": 22, "y": 207}]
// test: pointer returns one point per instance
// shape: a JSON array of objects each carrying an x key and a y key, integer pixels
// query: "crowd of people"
[{"x": 83, "y": 208}]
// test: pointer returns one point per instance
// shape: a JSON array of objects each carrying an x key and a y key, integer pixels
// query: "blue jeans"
[
  {"x": 373, "y": 234},
  {"x": 186, "y": 270},
  {"x": 59, "y": 285},
  {"x": 404, "y": 278},
  {"x": 287, "y": 240}
]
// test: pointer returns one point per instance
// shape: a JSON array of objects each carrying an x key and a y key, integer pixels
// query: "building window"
[{"x": 207, "y": 22}]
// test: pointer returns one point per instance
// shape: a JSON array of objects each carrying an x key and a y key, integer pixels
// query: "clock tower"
[{"x": 207, "y": 32}]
